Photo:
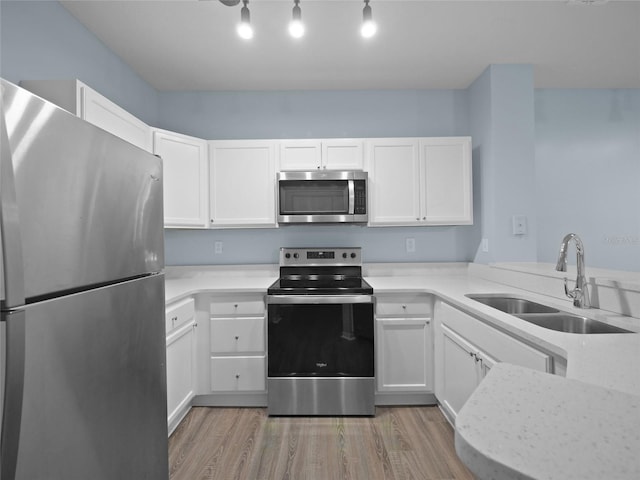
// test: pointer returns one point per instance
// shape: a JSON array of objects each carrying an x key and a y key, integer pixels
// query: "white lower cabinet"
[
  {"x": 181, "y": 359},
  {"x": 464, "y": 366},
  {"x": 237, "y": 348},
  {"x": 465, "y": 350},
  {"x": 238, "y": 374},
  {"x": 404, "y": 349}
]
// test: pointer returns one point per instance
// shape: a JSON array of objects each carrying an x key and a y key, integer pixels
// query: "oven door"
[
  {"x": 317, "y": 335},
  {"x": 320, "y": 355}
]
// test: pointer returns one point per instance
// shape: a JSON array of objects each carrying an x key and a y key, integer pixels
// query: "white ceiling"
[{"x": 192, "y": 45}]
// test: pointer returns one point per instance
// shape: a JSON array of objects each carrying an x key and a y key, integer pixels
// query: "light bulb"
[
  {"x": 369, "y": 27},
  {"x": 244, "y": 27},
  {"x": 296, "y": 27},
  {"x": 245, "y": 31}
]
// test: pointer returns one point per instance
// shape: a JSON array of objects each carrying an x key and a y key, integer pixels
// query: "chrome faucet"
[{"x": 580, "y": 294}]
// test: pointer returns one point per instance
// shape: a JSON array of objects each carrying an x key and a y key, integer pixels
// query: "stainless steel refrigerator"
[{"x": 82, "y": 307}]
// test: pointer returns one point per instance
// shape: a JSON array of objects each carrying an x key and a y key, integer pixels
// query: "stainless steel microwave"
[{"x": 322, "y": 197}]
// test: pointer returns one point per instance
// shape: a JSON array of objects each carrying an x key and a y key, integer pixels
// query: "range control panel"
[{"x": 320, "y": 256}]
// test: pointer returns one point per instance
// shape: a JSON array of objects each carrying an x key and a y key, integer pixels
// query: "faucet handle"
[{"x": 567, "y": 292}]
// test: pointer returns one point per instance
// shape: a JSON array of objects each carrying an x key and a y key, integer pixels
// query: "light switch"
[{"x": 519, "y": 224}]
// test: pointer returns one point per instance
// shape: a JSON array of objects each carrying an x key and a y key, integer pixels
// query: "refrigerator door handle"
[
  {"x": 14, "y": 363},
  {"x": 10, "y": 238}
]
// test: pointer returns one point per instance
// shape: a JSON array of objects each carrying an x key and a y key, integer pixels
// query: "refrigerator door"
[
  {"x": 88, "y": 205},
  {"x": 92, "y": 399}
]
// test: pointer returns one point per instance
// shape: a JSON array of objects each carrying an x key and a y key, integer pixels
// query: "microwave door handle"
[{"x": 352, "y": 197}]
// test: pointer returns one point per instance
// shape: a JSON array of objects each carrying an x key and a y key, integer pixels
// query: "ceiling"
[{"x": 420, "y": 44}]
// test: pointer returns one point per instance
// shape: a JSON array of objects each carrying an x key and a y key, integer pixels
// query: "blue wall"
[
  {"x": 502, "y": 119},
  {"x": 588, "y": 174},
  {"x": 584, "y": 166},
  {"x": 42, "y": 40},
  {"x": 315, "y": 114}
]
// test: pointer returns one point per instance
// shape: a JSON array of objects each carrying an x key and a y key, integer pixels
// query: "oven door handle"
[{"x": 316, "y": 299}]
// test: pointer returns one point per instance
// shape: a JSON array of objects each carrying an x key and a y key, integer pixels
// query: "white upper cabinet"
[
  {"x": 329, "y": 154},
  {"x": 242, "y": 183},
  {"x": 447, "y": 183},
  {"x": 394, "y": 185},
  {"x": 86, "y": 103},
  {"x": 186, "y": 179},
  {"x": 420, "y": 181}
]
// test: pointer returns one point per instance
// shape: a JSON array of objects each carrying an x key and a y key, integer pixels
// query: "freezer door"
[
  {"x": 88, "y": 204},
  {"x": 91, "y": 402}
]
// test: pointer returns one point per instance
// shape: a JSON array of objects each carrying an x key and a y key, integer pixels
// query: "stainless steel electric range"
[{"x": 320, "y": 335}]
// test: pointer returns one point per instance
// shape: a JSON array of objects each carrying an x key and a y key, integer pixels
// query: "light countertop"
[
  {"x": 524, "y": 424},
  {"x": 602, "y": 384}
]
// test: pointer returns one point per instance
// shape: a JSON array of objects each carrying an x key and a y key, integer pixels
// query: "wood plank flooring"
[{"x": 244, "y": 443}]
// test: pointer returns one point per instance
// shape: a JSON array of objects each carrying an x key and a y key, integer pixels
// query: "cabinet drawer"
[
  {"x": 179, "y": 313},
  {"x": 402, "y": 305},
  {"x": 251, "y": 304},
  {"x": 233, "y": 335},
  {"x": 233, "y": 374}
]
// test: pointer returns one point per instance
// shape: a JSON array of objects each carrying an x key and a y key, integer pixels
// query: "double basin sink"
[{"x": 545, "y": 316}]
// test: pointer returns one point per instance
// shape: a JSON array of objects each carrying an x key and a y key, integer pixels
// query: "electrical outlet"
[
  {"x": 485, "y": 245},
  {"x": 217, "y": 246},
  {"x": 410, "y": 244},
  {"x": 519, "y": 224}
]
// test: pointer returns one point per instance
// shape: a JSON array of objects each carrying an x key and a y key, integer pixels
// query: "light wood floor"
[{"x": 244, "y": 443}]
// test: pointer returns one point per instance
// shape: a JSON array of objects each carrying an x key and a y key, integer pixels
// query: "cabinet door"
[
  {"x": 342, "y": 154},
  {"x": 404, "y": 355},
  {"x": 300, "y": 155},
  {"x": 242, "y": 183},
  {"x": 107, "y": 115},
  {"x": 186, "y": 193},
  {"x": 394, "y": 183},
  {"x": 460, "y": 371},
  {"x": 446, "y": 193},
  {"x": 181, "y": 374}
]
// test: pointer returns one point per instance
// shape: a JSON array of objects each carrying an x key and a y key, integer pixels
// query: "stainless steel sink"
[
  {"x": 545, "y": 316},
  {"x": 512, "y": 305},
  {"x": 565, "y": 322}
]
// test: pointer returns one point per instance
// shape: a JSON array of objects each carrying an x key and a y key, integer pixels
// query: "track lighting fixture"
[
  {"x": 369, "y": 27},
  {"x": 296, "y": 27},
  {"x": 244, "y": 27}
]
